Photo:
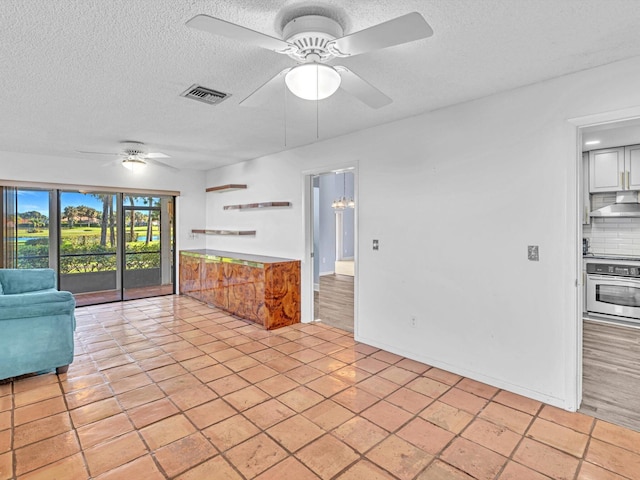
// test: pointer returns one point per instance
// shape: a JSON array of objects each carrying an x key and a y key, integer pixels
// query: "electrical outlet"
[
  {"x": 376, "y": 245},
  {"x": 532, "y": 253},
  {"x": 413, "y": 321}
]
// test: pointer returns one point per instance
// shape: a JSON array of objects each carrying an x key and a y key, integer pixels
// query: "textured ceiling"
[{"x": 86, "y": 74}]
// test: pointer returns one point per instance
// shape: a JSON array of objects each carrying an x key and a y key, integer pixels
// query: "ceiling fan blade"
[
  {"x": 231, "y": 30},
  {"x": 404, "y": 29},
  {"x": 111, "y": 163},
  {"x": 156, "y": 155},
  {"x": 158, "y": 163},
  {"x": 265, "y": 91},
  {"x": 361, "y": 89},
  {"x": 97, "y": 153}
]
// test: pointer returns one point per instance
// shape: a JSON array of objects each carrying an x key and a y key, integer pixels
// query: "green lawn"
[{"x": 78, "y": 232}]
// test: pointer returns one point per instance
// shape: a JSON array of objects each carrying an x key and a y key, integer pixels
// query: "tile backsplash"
[{"x": 620, "y": 236}]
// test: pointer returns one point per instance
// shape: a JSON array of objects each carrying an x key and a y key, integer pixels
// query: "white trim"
[
  {"x": 307, "y": 211},
  {"x": 469, "y": 373},
  {"x": 606, "y": 117},
  {"x": 574, "y": 329},
  {"x": 90, "y": 188}
]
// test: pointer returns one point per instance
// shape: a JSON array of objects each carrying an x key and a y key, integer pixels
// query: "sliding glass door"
[
  {"x": 89, "y": 257},
  {"x": 148, "y": 234},
  {"x": 105, "y": 246},
  {"x": 26, "y": 228}
]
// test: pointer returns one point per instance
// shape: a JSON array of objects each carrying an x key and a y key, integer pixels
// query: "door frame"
[
  {"x": 308, "y": 214},
  {"x": 576, "y": 329}
]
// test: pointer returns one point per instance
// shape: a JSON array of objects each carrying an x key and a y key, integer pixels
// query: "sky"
[{"x": 38, "y": 200}]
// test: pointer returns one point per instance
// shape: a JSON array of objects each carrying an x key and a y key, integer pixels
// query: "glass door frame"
[
  {"x": 167, "y": 229},
  {"x": 166, "y": 237},
  {"x": 114, "y": 292}
]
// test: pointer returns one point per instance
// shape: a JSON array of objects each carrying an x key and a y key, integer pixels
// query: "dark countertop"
[{"x": 230, "y": 256}]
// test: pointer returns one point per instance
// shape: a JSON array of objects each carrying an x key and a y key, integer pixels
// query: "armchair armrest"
[{"x": 36, "y": 304}]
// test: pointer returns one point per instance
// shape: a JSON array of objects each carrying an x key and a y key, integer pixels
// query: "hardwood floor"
[
  {"x": 611, "y": 373},
  {"x": 334, "y": 302}
]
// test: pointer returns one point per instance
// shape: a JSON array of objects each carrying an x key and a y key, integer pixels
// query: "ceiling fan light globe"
[
  {"x": 313, "y": 81},
  {"x": 135, "y": 165}
]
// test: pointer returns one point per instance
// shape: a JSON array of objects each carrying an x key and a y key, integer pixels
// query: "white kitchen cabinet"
[
  {"x": 632, "y": 164},
  {"x": 586, "y": 197},
  {"x": 614, "y": 169},
  {"x": 607, "y": 172}
]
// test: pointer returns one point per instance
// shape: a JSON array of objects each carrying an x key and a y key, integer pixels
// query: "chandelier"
[{"x": 341, "y": 203}]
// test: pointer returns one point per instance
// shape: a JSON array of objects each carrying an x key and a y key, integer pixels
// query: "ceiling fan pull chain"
[{"x": 285, "y": 114}]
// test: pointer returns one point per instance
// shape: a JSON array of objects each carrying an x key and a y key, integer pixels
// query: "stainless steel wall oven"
[{"x": 613, "y": 289}]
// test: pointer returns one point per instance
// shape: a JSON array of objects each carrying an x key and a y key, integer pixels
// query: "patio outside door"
[
  {"x": 148, "y": 240},
  {"x": 115, "y": 246},
  {"x": 89, "y": 255}
]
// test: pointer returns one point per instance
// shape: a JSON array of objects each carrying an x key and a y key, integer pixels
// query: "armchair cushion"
[{"x": 27, "y": 280}]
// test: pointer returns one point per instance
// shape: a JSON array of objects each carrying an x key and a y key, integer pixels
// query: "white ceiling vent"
[{"x": 204, "y": 94}]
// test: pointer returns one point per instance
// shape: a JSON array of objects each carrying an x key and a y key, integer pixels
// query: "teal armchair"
[{"x": 36, "y": 323}]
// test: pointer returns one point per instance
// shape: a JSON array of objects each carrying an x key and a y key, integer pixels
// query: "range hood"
[{"x": 626, "y": 206}]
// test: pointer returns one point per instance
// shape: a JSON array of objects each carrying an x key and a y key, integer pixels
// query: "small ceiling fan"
[
  {"x": 135, "y": 156},
  {"x": 313, "y": 40}
]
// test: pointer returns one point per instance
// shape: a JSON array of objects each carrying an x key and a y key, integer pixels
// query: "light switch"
[
  {"x": 533, "y": 253},
  {"x": 376, "y": 245}
]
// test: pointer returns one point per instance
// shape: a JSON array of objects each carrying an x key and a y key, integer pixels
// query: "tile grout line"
[
  {"x": 14, "y": 457},
  {"x": 300, "y": 382},
  {"x": 587, "y": 446},
  {"x": 137, "y": 430}
]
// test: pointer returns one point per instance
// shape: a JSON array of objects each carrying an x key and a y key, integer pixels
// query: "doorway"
[
  {"x": 334, "y": 232},
  {"x": 610, "y": 385}
]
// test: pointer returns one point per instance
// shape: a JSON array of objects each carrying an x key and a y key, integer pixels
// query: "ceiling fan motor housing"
[
  {"x": 311, "y": 34},
  {"x": 134, "y": 149}
]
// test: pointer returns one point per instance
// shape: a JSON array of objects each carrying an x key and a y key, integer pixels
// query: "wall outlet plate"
[
  {"x": 376, "y": 245},
  {"x": 532, "y": 253}
]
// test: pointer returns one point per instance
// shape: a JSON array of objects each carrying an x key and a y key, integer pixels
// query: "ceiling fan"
[
  {"x": 313, "y": 40},
  {"x": 135, "y": 156}
]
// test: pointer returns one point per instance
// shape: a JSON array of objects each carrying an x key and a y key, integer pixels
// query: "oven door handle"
[{"x": 612, "y": 278}]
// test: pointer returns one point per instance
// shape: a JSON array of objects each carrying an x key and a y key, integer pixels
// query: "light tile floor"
[{"x": 171, "y": 388}]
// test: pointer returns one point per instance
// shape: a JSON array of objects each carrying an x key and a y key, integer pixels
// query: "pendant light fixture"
[{"x": 341, "y": 203}]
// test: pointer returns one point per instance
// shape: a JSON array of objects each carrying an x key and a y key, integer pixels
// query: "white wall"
[
  {"x": 191, "y": 185},
  {"x": 455, "y": 196}
]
